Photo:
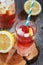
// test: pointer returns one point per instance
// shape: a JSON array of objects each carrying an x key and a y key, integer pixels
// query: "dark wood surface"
[{"x": 39, "y": 22}]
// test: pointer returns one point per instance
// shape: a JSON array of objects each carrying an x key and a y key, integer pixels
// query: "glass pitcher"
[{"x": 7, "y": 13}]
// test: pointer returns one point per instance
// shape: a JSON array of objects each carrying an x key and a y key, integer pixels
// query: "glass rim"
[{"x": 25, "y": 20}]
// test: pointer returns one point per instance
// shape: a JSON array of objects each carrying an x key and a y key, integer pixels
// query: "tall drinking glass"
[{"x": 25, "y": 37}]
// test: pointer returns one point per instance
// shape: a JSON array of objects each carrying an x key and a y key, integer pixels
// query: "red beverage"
[
  {"x": 7, "y": 14},
  {"x": 24, "y": 38}
]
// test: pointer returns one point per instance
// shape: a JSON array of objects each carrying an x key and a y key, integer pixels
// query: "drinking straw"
[{"x": 30, "y": 12}]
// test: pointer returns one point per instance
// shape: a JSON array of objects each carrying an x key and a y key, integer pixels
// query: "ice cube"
[
  {"x": 26, "y": 35},
  {"x": 20, "y": 32},
  {"x": 9, "y": 2},
  {"x": 2, "y": 5},
  {"x": 2, "y": 0}
]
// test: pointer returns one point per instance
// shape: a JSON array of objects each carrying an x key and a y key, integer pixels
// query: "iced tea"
[{"x": 7, "y": 13}]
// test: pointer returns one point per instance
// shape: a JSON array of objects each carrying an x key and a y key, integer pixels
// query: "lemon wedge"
[{"x": 30, "y": 31}]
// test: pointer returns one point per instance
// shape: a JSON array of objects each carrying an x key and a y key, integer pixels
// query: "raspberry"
[{"x": 25, "y": 29}]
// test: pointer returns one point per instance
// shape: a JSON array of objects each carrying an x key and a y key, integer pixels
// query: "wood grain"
[{"x": 15, "y": 59}]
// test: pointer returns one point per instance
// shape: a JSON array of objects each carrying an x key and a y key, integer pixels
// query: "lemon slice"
[
  {"x": 6, "y": 41},
  {"x": 35, "y": 10},
  {"x": 30, "y": 31}
]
